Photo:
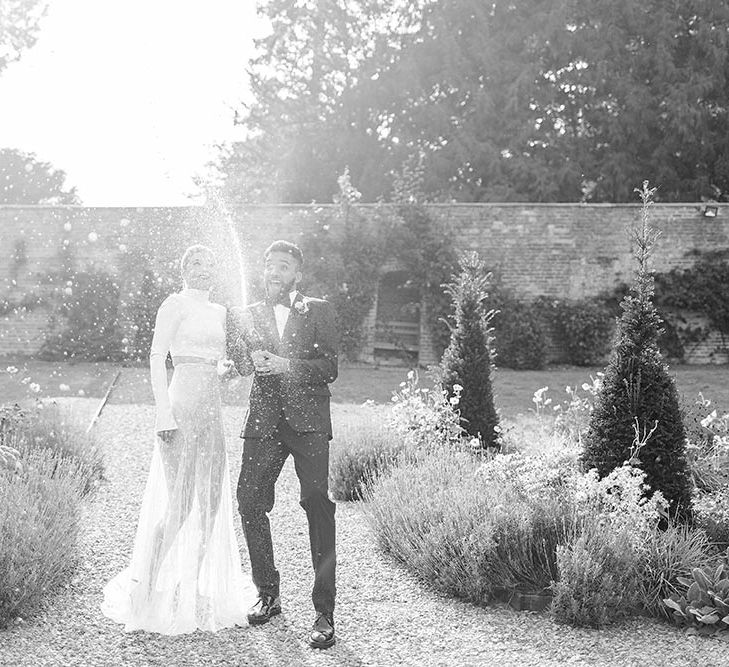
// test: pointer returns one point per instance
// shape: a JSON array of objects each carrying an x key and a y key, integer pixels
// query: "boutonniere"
[{"x": 302, "y": 307}]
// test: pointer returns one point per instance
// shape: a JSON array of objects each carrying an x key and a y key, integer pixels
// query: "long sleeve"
[
  {"x": 168, "y": 321},
  {"x": 324, "y": 368}
]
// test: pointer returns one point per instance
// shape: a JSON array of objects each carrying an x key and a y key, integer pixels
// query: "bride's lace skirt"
[{"x": 185, "y": 571}]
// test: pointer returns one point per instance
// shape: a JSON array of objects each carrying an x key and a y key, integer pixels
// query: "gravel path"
[{"x": 383, "y": 616}]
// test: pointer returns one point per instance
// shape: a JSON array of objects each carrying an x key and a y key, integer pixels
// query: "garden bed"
[{"x": 386, "y": 617}]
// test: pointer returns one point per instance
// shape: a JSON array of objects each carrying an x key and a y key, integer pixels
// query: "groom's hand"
[
  {"x": 167, "y": 436},
  {"x": 267, "y": 363}
]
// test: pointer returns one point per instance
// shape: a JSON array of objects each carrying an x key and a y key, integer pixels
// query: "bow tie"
[{"x": 281, "y": 300}]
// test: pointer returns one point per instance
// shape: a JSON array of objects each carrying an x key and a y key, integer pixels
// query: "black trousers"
[{"x": 263, "y": 459}]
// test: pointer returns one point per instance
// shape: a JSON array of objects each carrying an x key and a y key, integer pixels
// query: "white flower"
[
  {"x": 708, "y": 420},
  {"x": 538, "y": 394},
  {"x": 64, "y": 387},
  {"x": 11, "y": 369},
  {"x": 411, "y": 375},
  {"x": 34, "y": 387},
  {"x": 454, "y": 400},
  {"x": 457, "y": 387},
  {"x": 302, "y": 307}
]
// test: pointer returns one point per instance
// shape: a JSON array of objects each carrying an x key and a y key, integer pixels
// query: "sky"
[{"x": 129, "y": 97}]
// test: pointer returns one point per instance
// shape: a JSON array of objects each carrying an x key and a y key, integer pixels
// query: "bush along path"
[{"x": 384, "y": 617}]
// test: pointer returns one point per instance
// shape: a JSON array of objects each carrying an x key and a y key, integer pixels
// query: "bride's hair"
[{"x": 192, "y": 250}]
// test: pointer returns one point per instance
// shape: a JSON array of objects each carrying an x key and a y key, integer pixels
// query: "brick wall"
[{"x": 562, "y": 250}]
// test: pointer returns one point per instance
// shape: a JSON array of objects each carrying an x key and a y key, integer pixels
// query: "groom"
[{"x": 289, "y": 341}]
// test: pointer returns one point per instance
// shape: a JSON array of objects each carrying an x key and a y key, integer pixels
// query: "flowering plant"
[
  {"x": 620, "y": 502},
  {"x": 707, "y": 449},
  {"x": 426, "y": 417}
]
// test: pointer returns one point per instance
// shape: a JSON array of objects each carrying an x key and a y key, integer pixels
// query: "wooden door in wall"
[{"x": 397, "y": 331}]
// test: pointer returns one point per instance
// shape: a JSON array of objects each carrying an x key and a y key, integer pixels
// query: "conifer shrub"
[
  {"x": 636, "y": 416},
  {"x": 467, "y": 362}
]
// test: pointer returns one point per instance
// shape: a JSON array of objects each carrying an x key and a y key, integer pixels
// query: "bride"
[{"x": 185, "y": 570}]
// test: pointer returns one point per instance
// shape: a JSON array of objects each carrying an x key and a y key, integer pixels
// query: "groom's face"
[{"x": 281, "y": 273}]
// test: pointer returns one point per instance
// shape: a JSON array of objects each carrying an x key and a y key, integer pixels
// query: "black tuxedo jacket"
[{"x": 302, "y": 394}]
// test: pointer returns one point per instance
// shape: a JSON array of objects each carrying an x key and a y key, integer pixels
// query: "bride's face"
[{"x": 200, "y": 271}]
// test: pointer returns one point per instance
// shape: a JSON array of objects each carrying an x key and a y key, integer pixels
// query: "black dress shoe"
[
  {"x": 264, "y": 610},
  {"x": 322, "y": 634}
]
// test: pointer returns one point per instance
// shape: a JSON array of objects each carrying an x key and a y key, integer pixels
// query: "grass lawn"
[{"x": 356, "y": 383}]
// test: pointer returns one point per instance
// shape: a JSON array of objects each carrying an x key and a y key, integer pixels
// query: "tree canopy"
[
  {"x": 505, "y": 101},
  {"x": 26, "y": 180},
  {"x": 23, "y": 178},
  {"x": 19, "y": 23}
]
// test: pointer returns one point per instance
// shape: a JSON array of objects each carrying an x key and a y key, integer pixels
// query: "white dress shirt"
[{"x": 281, "y": 313}]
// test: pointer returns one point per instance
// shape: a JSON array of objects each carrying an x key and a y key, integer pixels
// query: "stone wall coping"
[{"x": 486, "y": 205}]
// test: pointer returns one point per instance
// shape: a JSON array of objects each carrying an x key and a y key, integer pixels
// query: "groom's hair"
[{"x": 286, "y": 246}]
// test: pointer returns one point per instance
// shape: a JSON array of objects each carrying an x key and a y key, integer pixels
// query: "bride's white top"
[{"x": 187, "y": 325}]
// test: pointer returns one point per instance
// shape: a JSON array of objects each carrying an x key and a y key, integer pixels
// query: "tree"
[
  {"x": 566, "y": 101},
  {"x": 19, "y": 23},
  {"x": 310, "y": 117},
  {"x": 642, "y": 87},
  {"x": 26, "y": 180},
  {"x": 636, "y": 416},
  {"x": 532, "y": 101},
  {"x": 300, "y": 80},
  {"x": 467, "y": 361}
]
